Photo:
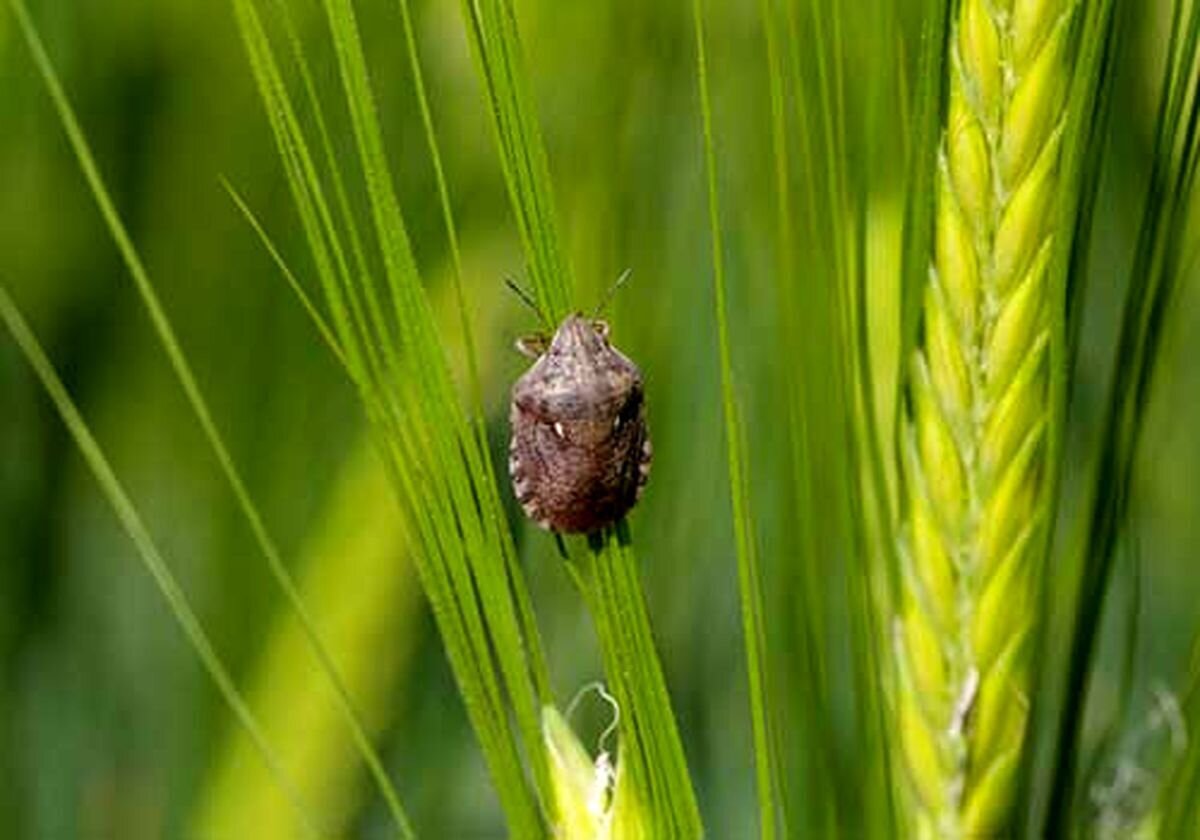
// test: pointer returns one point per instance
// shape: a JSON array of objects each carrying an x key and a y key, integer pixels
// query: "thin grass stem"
[
  {"x": 754, "y": 634},
  {"x": 199, "y": 405},
  {"x": 151, "y": 557}
]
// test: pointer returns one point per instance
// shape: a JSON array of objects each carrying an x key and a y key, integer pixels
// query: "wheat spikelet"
[{"x": 975, "y": 427}]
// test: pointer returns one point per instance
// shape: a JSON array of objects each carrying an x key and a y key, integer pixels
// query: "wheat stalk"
[{"x": 977, "y": 417}]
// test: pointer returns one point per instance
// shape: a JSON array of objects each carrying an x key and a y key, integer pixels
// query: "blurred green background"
[{"x": 108, "y": 727}]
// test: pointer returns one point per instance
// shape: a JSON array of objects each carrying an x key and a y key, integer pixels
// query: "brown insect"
[{"x": 580, "y": 451}]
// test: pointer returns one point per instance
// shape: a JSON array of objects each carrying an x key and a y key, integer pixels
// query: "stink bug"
[{"x": 580, "y": 451}]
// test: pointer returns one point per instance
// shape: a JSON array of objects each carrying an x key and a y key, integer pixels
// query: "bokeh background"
[{"x": 108, "y": 726}]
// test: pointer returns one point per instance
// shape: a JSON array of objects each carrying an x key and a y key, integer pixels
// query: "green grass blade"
[
  {"x": 319, "y": 220},
  {"x": 836, "y": 573},
  {"x": 650, "y": 739},
  {"x": 148, "y": 551},
  {"x": 809, "y": 745},
  {"x": 412, "y": 313},
  {"x": 436, "y": 459},
  {"x": 1156, "y": 273},
  {"x": 766, "y": 762},
  {"x": 293, "y": 282},
  {"x": 443, "y": 189},
  {"x": 199, "y": 405},
  {"x": 359, "y": 334},
  {"x": 1087, "y": 121},
  {"x": 355, "y": 574},
  {"x": 496, "y": 46},
  {"x": 487, "y": 477},
  {"x": 651, "y": 751}
]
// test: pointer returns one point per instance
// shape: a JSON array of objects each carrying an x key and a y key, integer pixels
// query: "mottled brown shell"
[{"x": 580, "y": 451}]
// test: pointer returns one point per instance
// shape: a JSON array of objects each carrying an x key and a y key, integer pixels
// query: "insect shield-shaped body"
[{"x": 580, "y": 451}]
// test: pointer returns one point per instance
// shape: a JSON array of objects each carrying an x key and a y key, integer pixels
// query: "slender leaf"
[
  {"x": 496, "y": 44},
  {"x": 650, "y": 738},
  {"x": 772, "y": 820},
  {"x": 444, "y": 481},
  {"x": 1155, "y": 275},
  {"x": 152, "y": 558},
  {"x": 199, "y": 405}
]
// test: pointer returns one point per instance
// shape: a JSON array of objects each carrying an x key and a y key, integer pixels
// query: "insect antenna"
[
  {"x": 527, "y": 299},
  {"x": 612, "y": 292}
]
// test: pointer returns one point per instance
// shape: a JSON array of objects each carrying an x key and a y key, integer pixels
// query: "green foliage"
[
  {"x": 150, "y": 554},
  {"x": 466, "y": 558},
  {"x": 352, "y": 576},
  {"x": 753, "y": 602},
  {"x": 199, "y": 405},
  {"x": 1159, "y": 268},
  {"x": 831, "y": 564},
  {"x": 496, "y": 46},
  {"x": 651, "y": 756}
]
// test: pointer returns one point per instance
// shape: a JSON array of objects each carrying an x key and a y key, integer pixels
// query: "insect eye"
[{"x": 533, "y": 346}]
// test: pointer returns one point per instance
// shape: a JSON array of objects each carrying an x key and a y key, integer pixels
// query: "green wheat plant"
[
  {"x": 750, "y": 583},
  {"x": 354, "y": 586},
  {"x": 607, "y": 575},
  {"x": 980, "y": 439},
  {"x": 152, "y": 558},
  {"x": 651, "y": 756},
  {"x": 1159, "y": 270},
  {"x": 203, "y": 415},
  {"x": 978, "y": 413},
  {"x": 436, "y": 456}
]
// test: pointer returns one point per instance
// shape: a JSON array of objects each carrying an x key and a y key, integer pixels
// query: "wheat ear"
[{"x": 976, "y": 419}]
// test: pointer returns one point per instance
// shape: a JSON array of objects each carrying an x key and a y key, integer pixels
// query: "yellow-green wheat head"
[{"x": 977, "y": 418}]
